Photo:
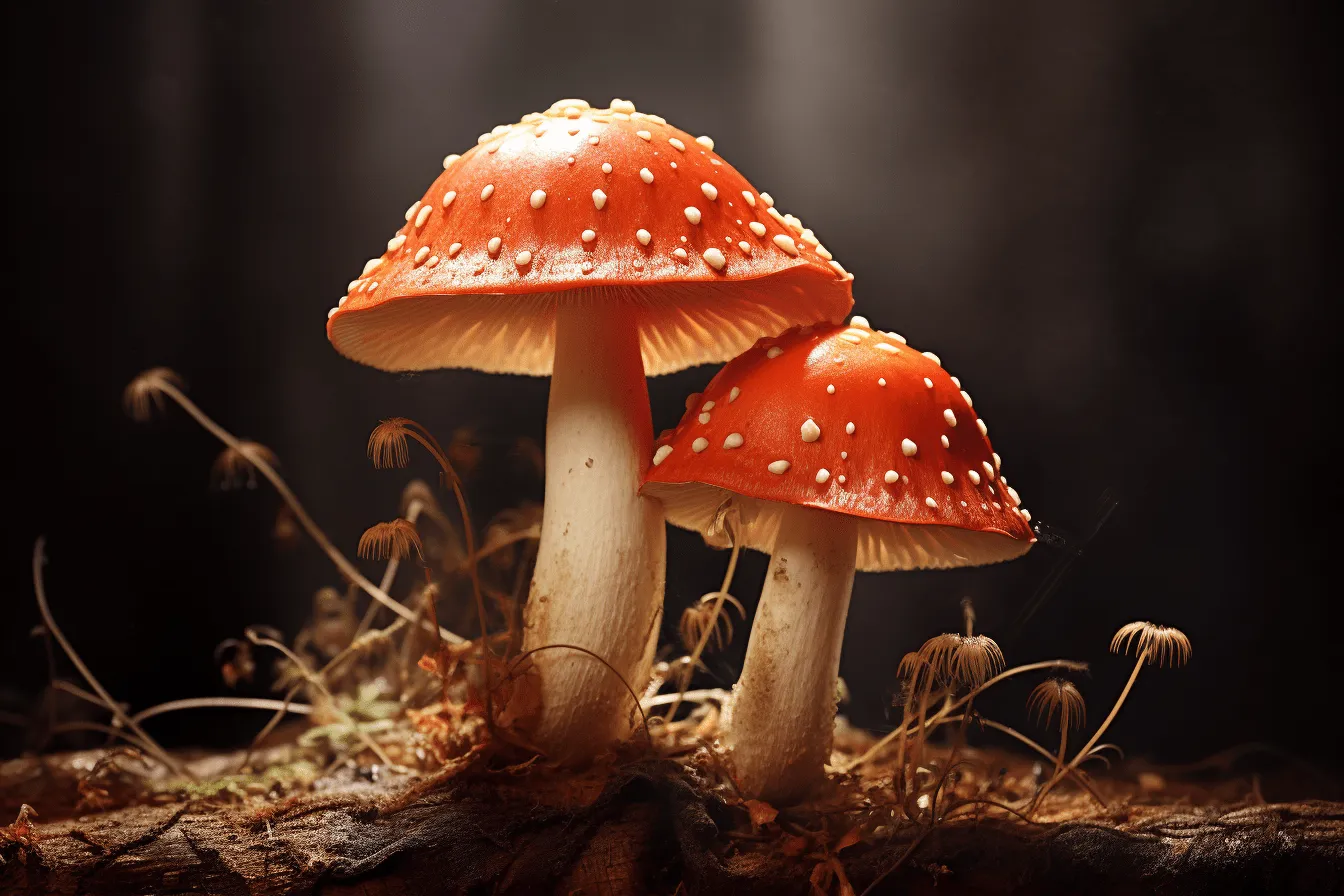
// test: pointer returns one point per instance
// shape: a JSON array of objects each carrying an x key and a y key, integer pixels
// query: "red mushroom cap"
[
  {"x": 850, "y": 420},
  {"x": 613, "y": 202}
]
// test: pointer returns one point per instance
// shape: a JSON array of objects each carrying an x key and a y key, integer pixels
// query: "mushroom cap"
[
  {"x": 850, "y": 420},
  {"x": 586, "y": 205}
]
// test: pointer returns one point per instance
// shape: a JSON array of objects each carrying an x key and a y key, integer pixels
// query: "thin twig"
[
  {"x": 722, "y": 596},
  {"x": 300, "y": 709},
  {"x": 150, "y": 745}
]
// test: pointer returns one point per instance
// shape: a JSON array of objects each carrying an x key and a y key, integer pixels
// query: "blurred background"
[{"x": 1109, "y": 219}]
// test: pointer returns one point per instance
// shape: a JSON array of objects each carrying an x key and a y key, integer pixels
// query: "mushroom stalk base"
[
  {"x": 601, "y": 561},
  {"x": 783, "y": 708}
]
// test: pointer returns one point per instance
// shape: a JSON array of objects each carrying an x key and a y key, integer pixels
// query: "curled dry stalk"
[
  {"x": 388, "y": 447},
  {"x": 298, "y": 709},
  {"x": 643, "y": 717},
  {"x": 147, "y": 391},
  {"x": 145, "y": 742},
  {"x": 1156, "y": 644}
]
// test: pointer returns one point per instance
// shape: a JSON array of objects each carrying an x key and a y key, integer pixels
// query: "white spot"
[
  {"x": 1026, "y": 514},
  {"x": 493, "y": 246},
  {"x": 714, "y": 258},
  {"x": 944, "y": 440},
  {"x": 433, "y": 261},
  {"x": 897, "y": 336},
  {"x": 331, "y": 312},
  {"x": 928, "y": 382},
  {"x": 830, "y": 388},
  {"x": 769, "y": 202},
  {"x": 454, "y": 249},
  {"x": 745, "y": 247},
  {"x": 676, "y": 142},
  {"x": 909, "y": 448},
  {"x": 1012, "y": 493},
  {"x": 589, "y": 235},
  {"x": 371, "y": 265},
  {"x": 396, "y": 242},
  {"x": 956, "y": 382},
  {"x": 734, "y": 440},
  {"x": 849, "y": 428},
  {"x": 699, "y": 445},
  {"x": 887, "y": 347},
  {"x": 487, "y": 191},
  {"x": 840, "y": 479},
  {"x": 706, "y": 142},
  {"x": 692, "y": 214},
  {"x": 824, "y": 252},
  {"x": 679, "y": 254},
  {"x": 661, "y": 454},
  {"x": 932, "y": 357},
  {"x": 421, "y": 255},
  {"x": 822, "y": 475},
  {"x": 779, "y": 467},
  {"x": 757, "y": 228},
  {"x": 599, "y": 199},
  {"x": 973, "y": 476},
  {"x": 523, "y": 258},
  {"x": 984, "y": 430},
  {"x": 707, "y": 406},
  {"x": 423, "y": 216},
  {"x": 643, "y": 135},
  {"x": 844, "y": 455},
  {"x": 989, "y": 472},
  {"x": 606, "y": 167},
  {"x": 809, "y": 431},
  {"x": 449, "y": 197},
  {"x": 711, "y": 192},
  {"x": 859, "y": 320},
  {"x": 704, "y": 417},
  {"x": 415, "y": 207},
  {"x": 732, "y": 395},
  {"x": 998, "y": 461},
  {"x": 774, "y": 351},
  {"x": 851, "y": 338},
  {"x": 749, "y": 198},
  {"x": 450, "y": 159},
  {"x": 881, "y": 381},
  {"x": 948, "y": 478},
  {"x": 785, "y": 242},
  {"x": 646, "y": 175},
  {"x": 623, "y": 106},
  {"x": 965, "y": 397},
  {"x": 538, "y": 198},
  {"x": 931, "y": 502},
  {"x": 891, "y": 477},
  {"x": 643, "y": 236}
]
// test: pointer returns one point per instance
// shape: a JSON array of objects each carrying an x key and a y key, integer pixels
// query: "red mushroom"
[
  {"x": 840, "y": 447},
  {"x": 597, "y": 246}
]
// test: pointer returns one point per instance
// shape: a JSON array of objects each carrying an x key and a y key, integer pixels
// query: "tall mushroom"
[
  {"x": 597, "y": 246},
  {"x": 840, "y": 447}
]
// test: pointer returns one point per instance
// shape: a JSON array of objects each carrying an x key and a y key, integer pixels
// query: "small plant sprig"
[
  {"x": 147, "y": 393},
  {"x": 1153, "y": 644},
  {"x": 1062, "y": 696}
]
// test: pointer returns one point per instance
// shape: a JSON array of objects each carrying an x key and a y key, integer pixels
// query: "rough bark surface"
[{"x": 649, "y": 828}]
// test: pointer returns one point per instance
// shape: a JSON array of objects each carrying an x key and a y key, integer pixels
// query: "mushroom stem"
[
  {"x": 783, "y": 708},
  {"x": 601, "y": 559}
]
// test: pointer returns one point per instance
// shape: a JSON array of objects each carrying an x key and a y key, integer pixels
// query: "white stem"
[
  {"x": 601, "y": 560},
  {"x": 783, "y": 708}
]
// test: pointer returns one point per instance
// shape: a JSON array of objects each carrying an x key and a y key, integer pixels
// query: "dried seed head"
[
  {"x": 1162, "y": 645},
  {"x": 236, "y": 467},
  {"x": 387, "y": 444},
  {"x": 144, "y": 395},
  {"x": 963, "y": 660},
  {"x": 699, "y": 617},
  {"x": 393, "y": 540},
  {"x": 1058, "y": 694}
]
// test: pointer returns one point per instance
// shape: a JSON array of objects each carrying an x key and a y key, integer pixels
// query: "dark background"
[{"x": 1108, "y": 219}]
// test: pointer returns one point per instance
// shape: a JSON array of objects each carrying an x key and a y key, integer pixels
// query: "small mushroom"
[
  {"x": 561, "y": 253},
  {"x": 839, "y": 465}
]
